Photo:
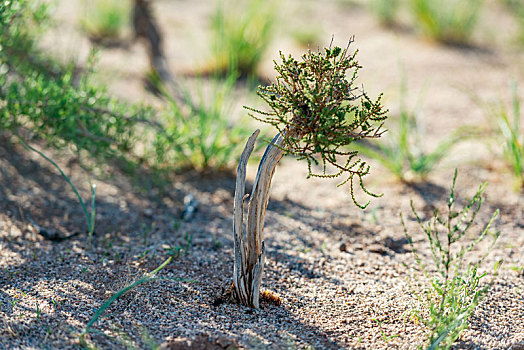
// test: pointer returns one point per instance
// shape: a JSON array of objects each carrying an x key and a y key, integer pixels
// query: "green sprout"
[{"x": 449, "y": 21}]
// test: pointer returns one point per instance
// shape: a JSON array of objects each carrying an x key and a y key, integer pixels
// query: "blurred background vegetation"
[{"x": 194, "y": 120}]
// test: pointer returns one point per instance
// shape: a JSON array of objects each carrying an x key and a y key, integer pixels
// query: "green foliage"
[
  {"x": 67, "y": 109},
  {"x": 43, "y": 99},
  {"x": 447, "y": 21},
  {"x": 513, "y": 136},
  {"x": 385, "y": 10},
  {"x": 53, "y": 101},
  {"x": 453, "y": 292},
  {"x": 403, "y": 153},
  {"x": 105, "y": 19},
  {"x": 21, "y": 22},
  {"x": 202, "y": 135},
  {"x": 318, "y": 111},
  {"x": 63, "y": 113},
  {"x": 242, "y": 31}
]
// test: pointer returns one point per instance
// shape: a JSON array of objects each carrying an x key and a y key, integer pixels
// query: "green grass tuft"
[
  {"x": 386, "y": 11},
  {"x": 402, "y": 151},
  {"x": 106, "y": 19},
  {"x": 242, "y": 32},
  {"x": 447, "y": 21},
  {"x": 201, "y": 136}
]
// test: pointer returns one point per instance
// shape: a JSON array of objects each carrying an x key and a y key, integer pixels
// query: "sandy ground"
[{"x": 343, "y": 274}]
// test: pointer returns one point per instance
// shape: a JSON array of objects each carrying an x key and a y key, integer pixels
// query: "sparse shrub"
[
  {"x": 53, "y": 101},
  {"x": 105, "y": 20},
  {"x": 510, "y": 129},
  {"x": 201, "y": 136},
  {"x": 317, "y": 111},
  {"x": 451, "y": 291},
  {"x": 447, "y": 21},
  {"x": 402, "y": 151},
  {"x": 315, "y": 121},
  {"x": 385, "y": 10},
  {"x": 41, "y": 99},
  {"x": 242, "y": 31}
]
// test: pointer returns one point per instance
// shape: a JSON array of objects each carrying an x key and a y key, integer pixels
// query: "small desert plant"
[
  {"x": 402, "y": 151},
  {"x": 53, "y": 101},
  {"x": 106, "y": 19},
  {"x": 200, "y": 136},
  {"x": 317, "y": 111},
  {"x": 242, "y": 31},
  {"x": 385, "y": 10},
  {"x": 448, "y": 21},
  {"x": 453, "y": 291},
  {"x": 509, "y": 125}
]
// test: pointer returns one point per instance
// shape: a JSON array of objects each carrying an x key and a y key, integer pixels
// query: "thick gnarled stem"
[{"x": 249, "y": 245}]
